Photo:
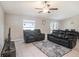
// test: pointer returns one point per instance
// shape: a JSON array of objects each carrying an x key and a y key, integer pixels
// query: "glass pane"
[
  {"x": 53, "y": 26},
  {"x": 28, "y": 24}
]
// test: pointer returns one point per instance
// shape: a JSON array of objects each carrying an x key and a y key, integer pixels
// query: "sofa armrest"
[
  {"x": 42, "y": 35},
  {"x": 72, "y": 43},
  {"x": 49, "y": 34}
]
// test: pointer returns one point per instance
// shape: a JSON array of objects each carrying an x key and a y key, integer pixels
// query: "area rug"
[{"x": 51, "y": 49}]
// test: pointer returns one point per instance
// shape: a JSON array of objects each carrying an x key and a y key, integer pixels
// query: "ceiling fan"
[{"x": 46, "y": 8}]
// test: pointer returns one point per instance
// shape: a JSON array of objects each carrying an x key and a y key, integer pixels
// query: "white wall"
[
  {"x": 70, "y": 23},
  {"x": 1, "y": 28},
  {"x": 16, "y": 24}
]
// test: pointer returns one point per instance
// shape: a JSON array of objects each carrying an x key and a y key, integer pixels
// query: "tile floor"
[
  {"x": 29, "y": 50},
  {"x": 74, "y": 52}
]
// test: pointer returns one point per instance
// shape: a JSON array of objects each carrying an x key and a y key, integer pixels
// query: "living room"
[{"x": 58, "y": 27}]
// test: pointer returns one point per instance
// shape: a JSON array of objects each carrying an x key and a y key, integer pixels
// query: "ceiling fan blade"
[
  {"x": 39, "y": 8},
  {"x": 53, "y": 9},
  {"x": 49, "y": 12},
  {"x": 40, "y": 11}
]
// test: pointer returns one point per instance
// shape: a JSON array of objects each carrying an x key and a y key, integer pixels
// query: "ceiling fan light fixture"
[{"x": 45, "y": 10}]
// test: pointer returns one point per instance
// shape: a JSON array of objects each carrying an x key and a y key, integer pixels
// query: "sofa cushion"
[
  {"x": 37, "y": 30},
  {"x": 58, "y": 35}
]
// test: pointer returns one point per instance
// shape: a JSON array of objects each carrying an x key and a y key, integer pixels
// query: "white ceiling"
[{"x": 66, "y": 8}]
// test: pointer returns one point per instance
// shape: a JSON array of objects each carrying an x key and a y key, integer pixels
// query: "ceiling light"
[{"x": 45, "y": 10}]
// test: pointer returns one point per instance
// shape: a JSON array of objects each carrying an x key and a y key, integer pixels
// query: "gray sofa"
[{"x": 33, "y": 35}]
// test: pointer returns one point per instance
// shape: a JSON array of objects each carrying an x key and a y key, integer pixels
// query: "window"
[
  {"x": 29, "y": 24},
  {"x": 53, "y": 26}
]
